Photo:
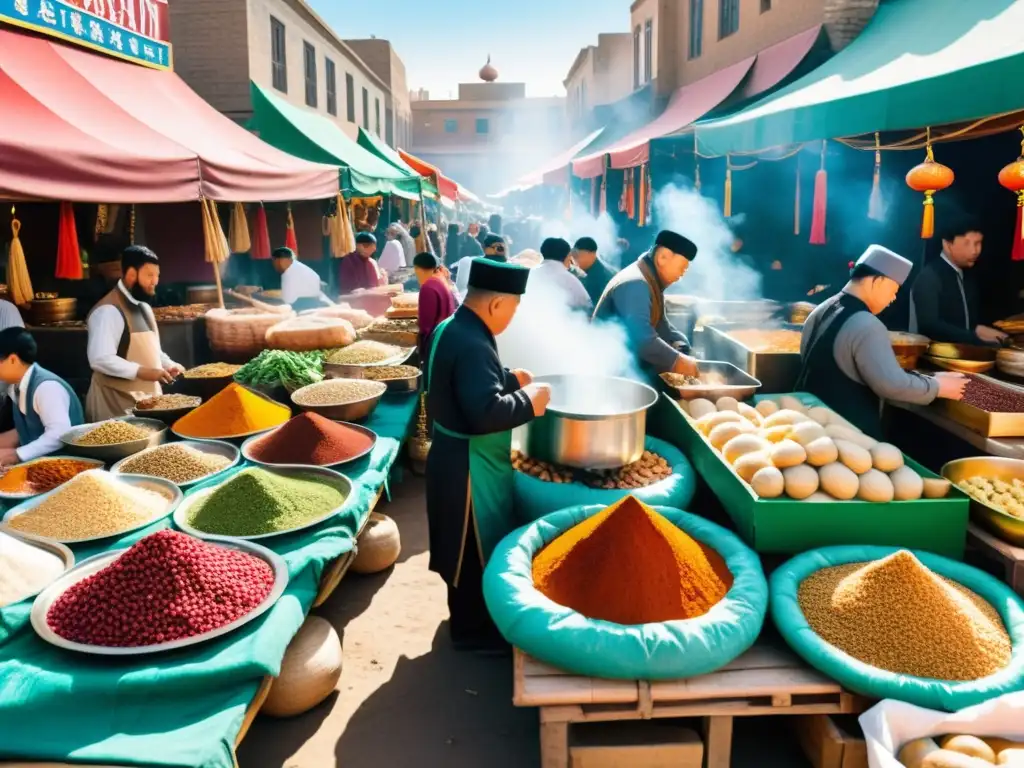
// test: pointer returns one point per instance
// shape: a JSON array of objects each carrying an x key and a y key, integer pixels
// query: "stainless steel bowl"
[
  {"x": 116, "y": 451},
  {"x": 593, "y": 422},
  {"x": 356, "y": 410},
  {"x": 215, "y": 447},
  {"x": 1002, "y": 524},
  {"x": 355, "y": 370}
]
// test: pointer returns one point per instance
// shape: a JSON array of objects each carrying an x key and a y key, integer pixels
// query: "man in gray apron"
[
  {"x": 475, "y": 403},
  {"x": 124, "y": 343},
  {"x": 847, "y": 357}
]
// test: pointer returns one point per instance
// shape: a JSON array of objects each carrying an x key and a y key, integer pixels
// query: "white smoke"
[
  {"x": 716, "y": 274},
  {"x": 602, "y": 228}
]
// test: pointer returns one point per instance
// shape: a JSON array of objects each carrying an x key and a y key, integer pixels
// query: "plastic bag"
[
  {"x": 359, "y": 318},
  {"x": 305, "y": 334}
]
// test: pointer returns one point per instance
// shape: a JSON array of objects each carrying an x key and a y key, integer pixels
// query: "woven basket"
[
  {"x": 310, "y": 670},
  {"x": 239, "y": 334},
  {"x": 379, "y": 545}
]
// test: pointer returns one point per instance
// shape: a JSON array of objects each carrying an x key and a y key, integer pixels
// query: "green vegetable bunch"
[{"x": 279, "y": 366}]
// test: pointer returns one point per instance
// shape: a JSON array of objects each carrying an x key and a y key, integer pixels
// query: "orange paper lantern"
[{"x": 928, "y": 178}]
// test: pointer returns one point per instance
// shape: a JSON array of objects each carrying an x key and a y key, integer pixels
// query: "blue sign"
[{"x": 69, "y": 20}]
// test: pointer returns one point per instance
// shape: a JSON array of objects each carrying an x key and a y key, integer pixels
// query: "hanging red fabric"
[
  {"x": 820, "y": 202},
  {"x": 290, "y": 240},
  {"x": 69, "y": 257},
  {"x": 260, "y": 235}
]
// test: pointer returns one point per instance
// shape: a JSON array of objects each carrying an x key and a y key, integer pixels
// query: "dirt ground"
[{"x": 406, "y": 699}]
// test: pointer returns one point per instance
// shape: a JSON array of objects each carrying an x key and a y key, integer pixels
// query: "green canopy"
[
  {"x": 373, "y": 144},
  {"x": 917, "y": 63},
  {"x": 312, "y": 137}
]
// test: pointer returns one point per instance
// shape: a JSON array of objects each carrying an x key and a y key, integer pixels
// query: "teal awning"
[
  {"x": 375, "y": 146},
  {"x": 312, "y": 137},
  {"x": 918, "y": 63}
]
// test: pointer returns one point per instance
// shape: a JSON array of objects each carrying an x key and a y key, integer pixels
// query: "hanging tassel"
[
  {"x": 290, "y": 240},
  {"x": 876, "y": 211},
  {"x": 69, "y": 257},
  {"x": 215, "y": 243},
  {"x": 19, "y": 284},
  {"x": 343, "y": 240},
  {"x": 603, "y": 205},
  {"x": 131, "y": 226},
  {"x": 102, "y": 216},
  {"x": 642, "y": 201},
  {"x": 796, "y": 200},
  {"x": 261, "y": 235},
  {"x": 820, "y": 201},
  {"x": 1017, "y": 254},
  {"x": 928, "y": 220},
  {"x": 238, "y": 230},
  {"x": 631, "y": 201},
  {"x": 727, "y": 203}
]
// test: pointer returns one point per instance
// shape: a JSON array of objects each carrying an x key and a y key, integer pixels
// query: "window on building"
[
  {"x": 483, "y": 125},
  {"x": 366, "y": 109},
  {"x": 331, "y": 75},
  {"x": 696, "y": 28},
  {"x": 451, "y": 126},
  {"x": 350, "y": 98},
  {"x": 728, "y": 17},
  {"x": 583, "y": 97},
  {"x": 376, "y": 116},
  {"x": 309, "y": 60},
  {"x": 766, "y": 5},
  {"x": 636, "y": 58},
  {"x": 648, "y": 50},
  {"x": 389, "y": 127},
  {"x": 278, "y": 57}
]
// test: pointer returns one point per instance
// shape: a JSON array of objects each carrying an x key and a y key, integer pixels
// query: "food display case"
[{"x": 775, "y": 365}]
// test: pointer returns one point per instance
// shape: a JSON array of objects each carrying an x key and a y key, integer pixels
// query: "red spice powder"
[{"x": 311, "y": 439}]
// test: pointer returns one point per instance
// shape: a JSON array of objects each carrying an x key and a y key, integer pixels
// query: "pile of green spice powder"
[{"x": 256, "y": 502}]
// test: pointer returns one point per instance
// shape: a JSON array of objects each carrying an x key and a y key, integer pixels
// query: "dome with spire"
[{"x": 488, "y": 73}]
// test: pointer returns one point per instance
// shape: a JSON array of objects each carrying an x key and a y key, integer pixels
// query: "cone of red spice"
[{"x": 310, "y": 439}]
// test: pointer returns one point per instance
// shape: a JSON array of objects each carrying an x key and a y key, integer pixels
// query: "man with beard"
[{"x": 124, "y": 343}]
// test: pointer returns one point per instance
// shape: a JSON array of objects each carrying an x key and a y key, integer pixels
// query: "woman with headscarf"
[
  {"x": 401, "y": 234},
  {"x": 437, "y": 299}
]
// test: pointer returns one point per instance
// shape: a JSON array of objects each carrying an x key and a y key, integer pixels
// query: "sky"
[{"x": 445, "y": 42}]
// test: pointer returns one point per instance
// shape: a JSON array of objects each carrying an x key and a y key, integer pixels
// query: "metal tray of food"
[
  {"x": 10, "y": 496},
  {"x": 39, "y": 542},
  {"x": 717, "y": 379},
  {"x": 115, "y": 451},
  {"x": 777, "y": 371},
  {"x": 985, "y": 423},
  {"x": 1002, "y": 524},
  {"x": 355, "y": 370},
  {"x": 216, "y": 447},
  {"x": 329, "y": 475},
  {"x": 46, "y": 599},
  {"x": 247, "y": 447}
]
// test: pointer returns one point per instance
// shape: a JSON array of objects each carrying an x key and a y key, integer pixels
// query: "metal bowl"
[
  {"x": 205, "y": 387},
  {"x": 164, "y": 487},
  {"x": 357, "y": 410},
  {"x": 248, "y": 445},
  {"x": 16, "y": 497},
  {"x": 592, "y": 422},
  {"x": 961, "y": 365},
  {"x": 116, "y": 451},
  {"x": 217, "y": 447},
  {"x": 328, "y": 475},
  {"x": 48, "y": 545},
  {"x": 355, "y": 370},
  {"x": 407, "y": 385},
  {"x": 728, "y": 381},
  {"x": 167, "y": 415},
  {"x": 1001, "y": 524},
  {"x": 973, "y": 352},
  {"x": 43, "y": 603}
]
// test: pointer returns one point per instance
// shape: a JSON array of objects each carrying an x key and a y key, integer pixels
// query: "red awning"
[
  {"x": 688, "y": 104},
  {"x": 90, "y": 128},
  {"x": 445, "y": 186},
  {"x": 776, "y": 62}
]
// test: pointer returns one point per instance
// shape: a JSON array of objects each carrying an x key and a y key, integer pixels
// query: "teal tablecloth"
[{"x": 183, "y": 708}]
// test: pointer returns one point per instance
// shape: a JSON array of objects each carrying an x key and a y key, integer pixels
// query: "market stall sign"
[{"x": 135, "y": 30}]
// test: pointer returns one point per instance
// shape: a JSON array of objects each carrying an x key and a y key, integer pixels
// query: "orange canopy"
[{"x": 445, "y": 186}]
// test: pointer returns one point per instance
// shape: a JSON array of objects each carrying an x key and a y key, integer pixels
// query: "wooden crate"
[
  {"x": 764, "y": 681},
  {"x": 1006, "y": 556},
  {"x": 637, "y": 745},
  {"x": 831, "y": 742}
]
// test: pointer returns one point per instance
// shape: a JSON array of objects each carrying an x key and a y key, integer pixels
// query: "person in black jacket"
[{"x": 945, "y": 298}]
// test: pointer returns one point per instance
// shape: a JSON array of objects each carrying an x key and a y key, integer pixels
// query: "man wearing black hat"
[
  {"x": 358, "y": 270},
  {"x": 495, "y": 249},
  {"x": 554, "y": 271},
  {"x": 598, "y": 272},
  {"x": 475, "y": 403},
  {"x": 636, "y": 298}
]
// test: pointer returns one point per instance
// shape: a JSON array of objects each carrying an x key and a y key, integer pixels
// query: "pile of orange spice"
[
  {"x": 232, "y": 412},
  {"x": 628, "y": 564},
  {"x": 42, "y": 475}
]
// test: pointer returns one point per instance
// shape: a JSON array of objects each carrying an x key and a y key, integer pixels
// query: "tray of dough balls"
[{"x": 794, "y": 475}]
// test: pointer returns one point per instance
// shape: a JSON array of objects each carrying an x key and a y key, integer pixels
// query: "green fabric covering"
[
  {"x": 665, "y": 650},
  {"x": 917, "y": 63},
  {"x": 374, "y": 145},
  {"x": 878, "y": 683},
  {"x": 535, "y": 498},
  {"x": 313, "y": 137},
  {"x": 183, "y": 708}
]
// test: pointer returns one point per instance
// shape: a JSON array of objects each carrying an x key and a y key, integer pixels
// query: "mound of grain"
[{"x": 897, "y": 615}]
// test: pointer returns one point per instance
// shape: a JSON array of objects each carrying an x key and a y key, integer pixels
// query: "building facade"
[
  {"x": 380, "y": 56},
  {"x": 283, "y": 46},
  {"x": 601, "y": 75}
]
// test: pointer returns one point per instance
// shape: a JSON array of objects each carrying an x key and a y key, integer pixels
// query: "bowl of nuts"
[
  {"x": 341, "y": 399},
  {"x": 166, "y": 408}
]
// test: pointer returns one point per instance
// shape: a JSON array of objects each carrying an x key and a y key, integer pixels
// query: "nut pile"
[
  {"x": 647, "y": 470},
  {"x": 168, "y": 402},
  {"x": 167, "y": 587},
  {"x": 338, "y": 392},
  {"x": 992, "y": 397},
  {"x": 896, "y": 615},
  {"x": 113, "y": 432},
  {"x": 25, "y": 569},
  {"x": 212, "y": 371},
  {"x": 175, "y": 462},
  {"x": 1005, "y": 496},
  {"x": 391, "y": 372},
  {"x": 362, "y": 353},
  {"x": 93, "y": 504}
]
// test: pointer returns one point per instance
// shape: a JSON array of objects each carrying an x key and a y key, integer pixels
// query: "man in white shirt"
[
  {"x": 555, "y": 271},
  {"x": 300, "y": 284},
  {"x": 124, "y": 342},
  {"x": 10, "y": 317},
  {"x": 392, "y": 258},
  {"x": 495, "y": 249},
  {"x": 45, "y": 406}
]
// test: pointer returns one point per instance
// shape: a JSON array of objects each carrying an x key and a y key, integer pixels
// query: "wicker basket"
[{"x": 238, "y": 335}]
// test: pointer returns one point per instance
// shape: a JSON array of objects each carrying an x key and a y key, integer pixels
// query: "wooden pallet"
[
  {"x": 1008, "y": 556},
  {"x": 764, "y": 681}
]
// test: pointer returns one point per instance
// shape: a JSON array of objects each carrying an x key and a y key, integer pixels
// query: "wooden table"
[
  {"x": 764, "y": 681},
  {"x": 1009, "y": 557}
]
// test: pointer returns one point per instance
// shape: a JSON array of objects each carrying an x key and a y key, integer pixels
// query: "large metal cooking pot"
[{"x": 593, "y": 422}]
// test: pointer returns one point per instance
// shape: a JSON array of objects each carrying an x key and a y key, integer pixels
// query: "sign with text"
[{"x": 136, "y": 30}]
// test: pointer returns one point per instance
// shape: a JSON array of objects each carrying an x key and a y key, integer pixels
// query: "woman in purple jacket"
[{"x": 437, "y": 299}]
